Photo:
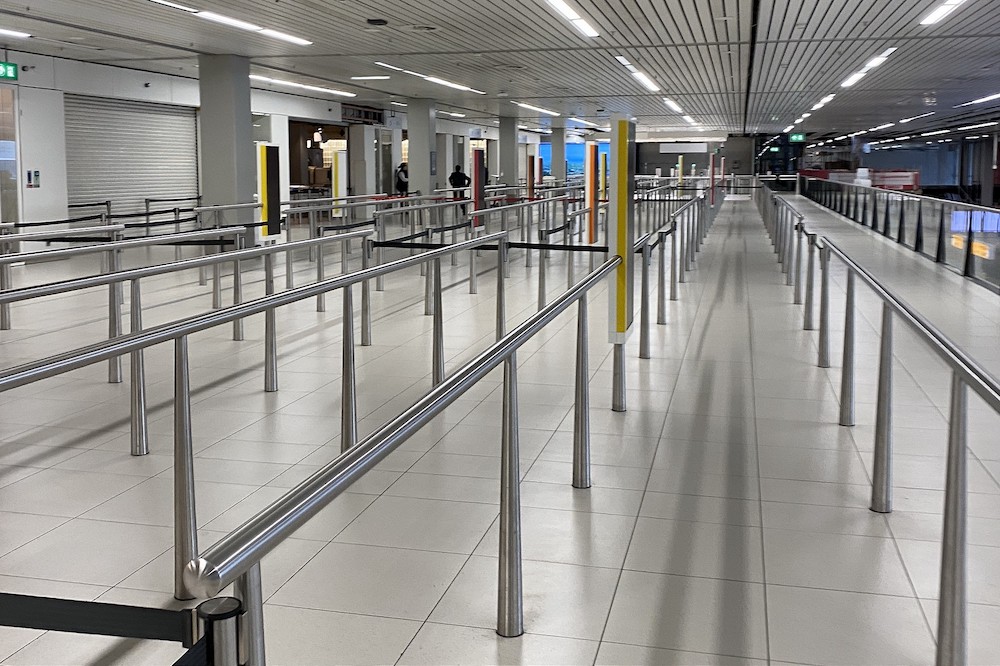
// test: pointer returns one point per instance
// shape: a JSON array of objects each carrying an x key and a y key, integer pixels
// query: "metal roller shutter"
[{"x": 127, "y": 151}]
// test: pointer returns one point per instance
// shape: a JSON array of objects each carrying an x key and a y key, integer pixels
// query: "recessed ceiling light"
[
  {"x": 302, "y": 86},
  {"x": 14, "y": 33},
  {"x": 236, "y": 23},
  {"x": 380, "y": 77},
  {"x": 267, "y": 32},
  {"x": 981, "y": 100},
  {"x": 174, "y": 5},
  {"x": 935, "y": 132},
  {"x": 870, "y": 65},
  {"x": 584, "y": 122},
  {"x": 673, "y": 105},
  {"x": 941, "y": 11},
  {"x": 397, "y": 104},
  {"x": 573, "y": 17},
  {"x": 912, "y": 118},
  {"x": 536, "y": 108}
]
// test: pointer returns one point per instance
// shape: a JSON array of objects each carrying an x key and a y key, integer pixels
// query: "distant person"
[
  {"x": 402, "y": 180},
  {"x": 459, "y": 181}
]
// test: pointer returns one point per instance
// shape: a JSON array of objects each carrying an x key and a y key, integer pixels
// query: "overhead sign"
[
  {"x": 666, "y": 148},
  {"x": 8, "y": 71},
  {"x": 797, "y": 138},
  {"x": 775, "y": 149}
]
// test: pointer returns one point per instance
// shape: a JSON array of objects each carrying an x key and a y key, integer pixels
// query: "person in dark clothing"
[
  {"x": 457, "y": 180},
  {"x": 402, "y": 180}
]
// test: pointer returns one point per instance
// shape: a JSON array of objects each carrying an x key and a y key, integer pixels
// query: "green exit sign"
[
  {"x": 797, "y": 138},
  {"x": 8, "y": 71},
  {"x": 775, "y": 149}
]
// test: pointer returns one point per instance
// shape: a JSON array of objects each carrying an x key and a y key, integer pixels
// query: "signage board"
[
  {"x": 8, "y": 71},
  {"x": 798, "y": 137}
]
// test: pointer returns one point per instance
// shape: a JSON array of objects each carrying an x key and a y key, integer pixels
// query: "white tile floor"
[{"x": 728, "y": 521}]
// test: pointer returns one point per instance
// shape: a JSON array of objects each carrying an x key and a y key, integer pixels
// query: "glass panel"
[
  {"x": 8, "y": 156},
  {"x": 956, "y": 231}
]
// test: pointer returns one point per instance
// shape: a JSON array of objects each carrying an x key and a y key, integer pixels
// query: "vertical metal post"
[
  {"x": 680, "y": 231},
  {"x": 348, "y": 398},
  {"x": 185, "y": 518},
  {"x": 270, "y": 334},
  {"x": 366, "y": 294},
  {"x": 320, "y": 274},
  {"x": 581, "y": 405},
  {"x": 790, "y": 251},
  {"x": 692, "y": 238},
  {"x": 847, "y": 369},
  {"x": 5, "y": 284},
  {"x": 380, "y": 252},
  {"x": 510, "y": 609},
  {"x": 237, "y": 291},
  {"x": 799, "y": 250},
  {"x": 312, "y": 234},
  {"x": 644, "y": 351},
  {"x": 542, "y": 267},
  {"x": 220, "y": 617},
  {"x": 137, "y": 369},
  {"x": 251, "y": 635},
  {"x": 675, "y": 230},
  {"x": 502, "y": 250},
  {"x": 618, "y": 401},
  {"x": 810, "y": 282},
  {"x": 437, "y": 373},
  {"x": 882, "y": 469},
  {"x": 952, "y": 630},
  {"x": 661, "y": 292},
  {"x": 114, "y": 315},
  {"x": 824, "y": 307}
]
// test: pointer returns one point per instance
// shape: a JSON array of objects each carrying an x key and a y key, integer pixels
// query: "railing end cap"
[{"x": 202, "y": 578}]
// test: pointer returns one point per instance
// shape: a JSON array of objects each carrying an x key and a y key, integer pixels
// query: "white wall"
[{"x": 42, "y": 134}]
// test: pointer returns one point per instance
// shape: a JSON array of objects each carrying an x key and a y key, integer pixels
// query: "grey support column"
[
  {"x": 508, "y": 150},
  {"x": 559, "y": 149},
  {"x": 422, "y": 134},
  {"x": 227, "y": 164}
]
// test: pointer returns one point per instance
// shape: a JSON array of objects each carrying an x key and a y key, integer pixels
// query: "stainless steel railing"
[
  {"x": 237, "y": 556},
  {"x": 139, "y": 435},
  {"x": 966, "y": 374},
  {"x": 965, "y": 237}
]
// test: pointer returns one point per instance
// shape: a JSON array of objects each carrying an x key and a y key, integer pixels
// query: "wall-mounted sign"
[
  {"x": 677, "y": 148},
  {"x": 8, "y": 71},
  {"x": 775, "y": 149},
  {"x": 798, "y": 137},
  {"x": 362, "y": 114}
]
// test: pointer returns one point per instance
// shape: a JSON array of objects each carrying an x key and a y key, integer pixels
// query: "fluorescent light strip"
[
  {"x": 228, "y": 20},
  {"x": 935, "y": 132},
  {"x": 941, "y": 11},
  {"x": 397, "y": 103},
  {"x": 584, "y": 122},
  {"x": 453, "y": 114},
  {"x": 981, "y": 100},
  {"x": 788, "y": 129},
  {"x": 536, "y": 108},
  {"x": 646, "y": 82},
  {"x": 979, "y": 126},
  {"x": 641, "y": 77},
  {"x": 912, "y": 118},
  {"x": 380, "y": 77},
  {"x": 882, "y": 127},
  {"x": 870, "y": 65},
  {"x": 174, "y": 5},
  {"x": 431, "y": 79},
  {"x": 14, "y": 33},
  {"x": 301, "y": 86},
  {"x": 236, "y": 23},
  {"x": 673, "y": 105},
  {"x": 573, "y": 17}
]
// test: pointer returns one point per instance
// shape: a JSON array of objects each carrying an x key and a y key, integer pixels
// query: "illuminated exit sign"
[
  {"x": 8, "y": 71},
  {"x": 797, "y": 138}
]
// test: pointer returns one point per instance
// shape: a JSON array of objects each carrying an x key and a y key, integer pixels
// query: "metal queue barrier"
[
  {"x": 179, "y": 332},
  {"x": 965, "y": 237},
  {"x": 789, "y": 234},
  {"x": 138, "y": 410},
  {"x": 236, "y": 558}
]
